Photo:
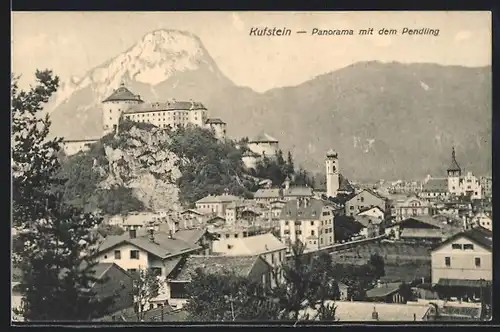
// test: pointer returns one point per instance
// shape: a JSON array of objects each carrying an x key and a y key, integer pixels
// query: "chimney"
[
  {"x": 132, "y": 233},
  {"x": 151, "y": 233},
  {"x": 374, "y": 314}
]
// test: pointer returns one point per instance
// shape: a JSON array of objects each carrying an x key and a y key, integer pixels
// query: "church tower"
[
  {"x": 454, "y": 173},
  {"x": 113, "y": 106},
  {"x": 332, "y": 174}
]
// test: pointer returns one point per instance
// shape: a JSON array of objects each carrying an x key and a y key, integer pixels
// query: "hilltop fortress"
[{"x": 123, "y": 103}]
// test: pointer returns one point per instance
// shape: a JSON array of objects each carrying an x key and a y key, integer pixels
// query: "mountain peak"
[{"x": 156, "y": 57}]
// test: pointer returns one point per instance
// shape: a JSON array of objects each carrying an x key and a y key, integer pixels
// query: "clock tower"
[{"x": 332, "y": 174}]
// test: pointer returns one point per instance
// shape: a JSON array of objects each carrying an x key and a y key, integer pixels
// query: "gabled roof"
[
  {"x": 479, "y": 235},
  {"x": 195, "y": 211},
  {"x": 267, "y": 193},
  {"x": 298, "y": 191},
  {"x": 366, "y": 220},
  {"x": 436, "y": 185},
  {"x": 218, "y": 199},
  {"x": 123, "y": 94},
  {"x": 368, "y": 208},
  {"x": 383, "y": 290},
  {"x": 190, "y": 235},
  {"x": 162, "y": 247},
  {"x": 312, "y": 210},
  {"x": 214, "y": 121},
  {"x": 254, "y": 245},
  {"x": 240, "y": 265},
  {"x": 263, "y": 138}
]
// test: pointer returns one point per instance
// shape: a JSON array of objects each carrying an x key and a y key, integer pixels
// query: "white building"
[
  {"x": 171, "y": 113},
  {"x": 332, "y": 174},
  {"x": 73, "y": 146},
  {"x": 483, "y": 220},
  {"x": 113, "y": 107},
  {"x": 462, "y": 185},
  {"x": 308, "y": 220},
  {"x": 264, "y": 145}
]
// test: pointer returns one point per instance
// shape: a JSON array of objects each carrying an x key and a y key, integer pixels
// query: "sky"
[{"x": 71, "y": 43}]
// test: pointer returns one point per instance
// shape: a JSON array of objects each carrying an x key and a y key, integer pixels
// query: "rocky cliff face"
[{"x": 137, "y": 159}]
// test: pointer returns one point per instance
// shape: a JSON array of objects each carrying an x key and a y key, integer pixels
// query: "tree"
[
  {"x": 58, "y": 252},
  {"x": 406, "y": 292},
  {"x": 146, "y": 287},
  {"x": 228, "y": 297},
  {"x": 378, "y": 264}
]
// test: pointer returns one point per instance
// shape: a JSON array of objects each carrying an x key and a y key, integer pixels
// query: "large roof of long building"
[
  {"x": 254, "y": 245},
  {"x": 240, "y": 265},
  {"x": 162, "y": 247},
  {"x": 165, "y": 106},
  {"x": 214, "y": 121},
  {"x": 123, "y": 94},
  {"x": 263, "y": 138},
  {"x": 305, "y": 210},
  {"x": 219, "y": 199},
  {"x": 436, "y": 186}
]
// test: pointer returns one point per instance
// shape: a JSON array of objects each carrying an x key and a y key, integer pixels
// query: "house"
[
  {"x": 343, "y": 288},
  {"x": 371, "y": 225},
  {"x": 309, "y": 221},
  {"x": 374, "y": 212},
  {"x": 241, "y": 210},
  {"x": 486, "y": 185},
  {"x": 265, "y": 245},
  {"x": 385, "y": 292},
  {"x": 463, "y": 260},
  {"x": 116, "y": 282},
  {"x": 411, "y": 207},
  {"x": 255, "y": 268},
  {"x": 288, "y": 193},
  {"x": 272, "y": 210},
  {"x": 435, "y": 189},
  {"x": 421, "y": 229},
  {"x": 159, "y": 251},
  {"x": 347, "y": 311},
  {"x": 366, "y": 198},
  {"x": 216, "y": 204},
  {"x": 483, "y": 220},
  {"x": 264, "y": 145},
  {"x": 193, "y": 214},
  {"x": 73, "y": 146}
]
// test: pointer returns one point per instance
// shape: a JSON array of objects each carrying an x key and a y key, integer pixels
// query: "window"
[
  {"x": 132, "y": 270},
  {"x": 227, "y": 236},
  {"x": 477, "y": 261},
  {"x": 468, "y": 247},
  {"x": 362, "y": 199},
  {"x": 286, "y": 223},
  {"x": 287, "y": 232},
  {"x": 321, "y": 240},
  {"x": 118, "y": 254},
  {"x": 156, "y": 271},
  {"x": 279, "y": 256},
  {"x": 447, "y": 261},
  {"x": 456, "y": 246},
  {"x": 312, "y": 223},
  {"x": 235, "y": 236},
  {"x": 272, "y": 258},
  {"x": 351, "y": 207},
  {"x": 134, "y": 254},
  {"x": 312, "y": 233},
  {"x": 105, "y": 256},
  {"x": 326, "y": 213},
  {"x": 299, "y": 232}
]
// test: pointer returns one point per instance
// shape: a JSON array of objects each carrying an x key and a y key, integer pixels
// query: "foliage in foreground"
[{"x": 56, "y": 246}]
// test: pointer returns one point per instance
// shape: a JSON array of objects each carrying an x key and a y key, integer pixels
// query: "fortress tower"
[
  {"x": 113, "y": 106},
  {"x": 332, "y": 174}
]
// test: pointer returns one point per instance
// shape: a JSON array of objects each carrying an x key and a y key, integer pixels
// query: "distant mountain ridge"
[{"x": 386, "y": 120}]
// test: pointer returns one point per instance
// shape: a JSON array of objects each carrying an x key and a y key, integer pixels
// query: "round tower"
[
  {"x": 454, "y": 173},
  {"x": 332, "y": 174},
  {"x": 113, "y": 106}
]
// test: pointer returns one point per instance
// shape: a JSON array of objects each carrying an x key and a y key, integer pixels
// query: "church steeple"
[{"x": 454, "y": 168}]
